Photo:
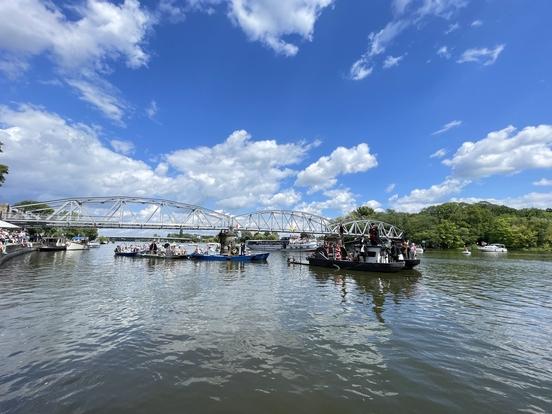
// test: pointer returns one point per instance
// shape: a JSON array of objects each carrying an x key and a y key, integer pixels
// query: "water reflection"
[{"x": 379, "y": 286}]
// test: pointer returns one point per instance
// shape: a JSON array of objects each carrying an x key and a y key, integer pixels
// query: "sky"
[{"x": 244, "y": 105}]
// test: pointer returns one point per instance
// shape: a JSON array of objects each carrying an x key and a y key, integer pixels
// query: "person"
[
  {"x": 404, "y": 249},
  {"x": 242, "y": 249},
  {"x": 321, "y": 252},
  {"x": 413, "y": 251}
]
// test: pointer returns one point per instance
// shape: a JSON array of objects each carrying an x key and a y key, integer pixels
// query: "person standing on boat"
[{"x": 413, "y": 251}]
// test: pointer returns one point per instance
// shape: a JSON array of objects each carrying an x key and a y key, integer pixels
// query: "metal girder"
[
  {"x": 283, "y": 221},
  {"x": 121, "y": 212},
  {"x": 362, "y": 228}
]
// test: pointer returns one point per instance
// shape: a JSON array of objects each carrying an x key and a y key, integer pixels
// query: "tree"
[{"x": 3, "y": 169}]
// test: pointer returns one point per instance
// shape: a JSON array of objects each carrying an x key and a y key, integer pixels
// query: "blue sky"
[{"x": 316, "y": 105}]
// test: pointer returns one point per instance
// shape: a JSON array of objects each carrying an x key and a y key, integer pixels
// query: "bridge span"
[{"x": 120, "y": 212}]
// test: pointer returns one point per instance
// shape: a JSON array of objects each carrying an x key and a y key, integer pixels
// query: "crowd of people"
[{"x": 13, "y": 237}]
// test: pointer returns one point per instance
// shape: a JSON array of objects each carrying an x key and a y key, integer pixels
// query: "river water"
[{"x": 86, "y": 332}]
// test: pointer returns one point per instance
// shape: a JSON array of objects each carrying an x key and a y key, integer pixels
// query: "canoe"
[
  {"x": 392, "y": 267},
  {"x": 223, "y": 258},
  {"x": 162, "y": 256}
]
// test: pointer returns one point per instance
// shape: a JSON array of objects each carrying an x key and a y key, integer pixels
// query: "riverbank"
[{"x": 14, "y": 251}]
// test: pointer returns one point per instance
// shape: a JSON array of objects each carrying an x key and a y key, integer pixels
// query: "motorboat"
[
  {"x": 93, "y": 244},
  {"x": 419, "y": 250},
  {"x": 78, "y": 243},
  {"x": 493, "y": 248},
  {"x": 302, "y": 245},
  {"x": 259, "y": 257},
  {"x": 264, "y": 245},
  {"x": 52, "y": 244},
  {"x": 362, "y": 257}
]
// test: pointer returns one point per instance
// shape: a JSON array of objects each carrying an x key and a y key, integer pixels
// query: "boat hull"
[
  {"x": 52, "y": 248},
  {"x": 126, "y": 254},
  {"x": 411, "y": 263},
  {"x": 358, "y": 266},
  {"x": 222, "y": 258},
  {"x": 160, "y": 256}
]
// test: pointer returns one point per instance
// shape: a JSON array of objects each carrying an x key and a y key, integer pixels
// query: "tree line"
[{"x": 453, "y": 225}]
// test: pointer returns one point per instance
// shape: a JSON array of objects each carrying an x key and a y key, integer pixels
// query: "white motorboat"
[
  {"x": 93, "y": 244},
  {"x": 264, "y": 244},
  {"x": 78, "y": 243},
  {"x": 493, "y": 248},
  {"x": 302, "y": 245},
  {"x": 50, "y": 244},
  {"x": 419, "y": 250}
]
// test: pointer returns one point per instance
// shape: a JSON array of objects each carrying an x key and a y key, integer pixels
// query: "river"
[{"x": 87, "y": 332}]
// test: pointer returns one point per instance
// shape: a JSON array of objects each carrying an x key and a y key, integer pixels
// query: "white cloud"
[
  {"x": 530, "y": 200},
  {"x": 440, "y": 153},
  {"x": 421, "y": 198},
  {"x": 543, "y": 182},
  {"x": 390, "y": 188},
  {"x": 374, "y": 205},
  {"x": 391, "y": 61},
  {"x": 360, "y": 69},
  {"x": 49, "y": 158},
  {"x": 400, "y": 6},
  {"x": 477, "y": 23},
  {"x": 407, "y": 14},
  {"x": 70, "y": 159},
  {"x": 81, "y": 46},
  {"x": 239, "y": 165},
  {"x": 444, "y": 52},
  {"x": 447, "y": 127},
  {"x": 484, "y": 56},
  {"x": 102, "y": 31},
  {"x": 506, "y": 151},
  {"x": 270, "y": 21},
  {"x": 341, "y": 200},
  {"x": 12, "y": 67},
  {"x": 152, "y": 109},
  {"x": 122, "y": 147},
  {"x": 102, "y": 95},
  {"x": 322, "y": 174},
  {"x": 452, "y": 28}
]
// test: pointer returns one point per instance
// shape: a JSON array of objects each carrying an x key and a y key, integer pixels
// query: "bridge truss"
[{"x": 147, "y": 213}]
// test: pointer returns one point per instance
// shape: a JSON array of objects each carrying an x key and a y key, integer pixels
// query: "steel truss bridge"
[{"x": 148, "y": 213}]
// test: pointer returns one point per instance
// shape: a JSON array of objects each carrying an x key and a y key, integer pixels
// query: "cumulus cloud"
[
  {"x": 447, "y": 127},
  {"x": 529, "y": 200},
  {"x": 82, "y": 46},
  {"x": 271, "y": 22},
  {"x": 70, "y": 159},
  {"x": 484, "y": 55},
  {"x": 506, "y": 151},
  {"x": 322, "y": 173},
  {"x": 422, "y": 198},
  {"x": 341, "y": 200}
]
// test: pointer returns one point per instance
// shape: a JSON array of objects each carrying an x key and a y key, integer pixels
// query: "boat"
[
  {"x": 78, "y": 243},
  {"x": 302, "y": 245},
  {"x": 392, "y": 267},
  {"x": 264, "y": 245},
  {"x": 419, "y": 250},
  {"x": 52, "y": 244},
  {"x": 93, "y": 244},
  {"x": 125, "y": 254},
  {"x": 259, "y": 257},
  {"x": 493, "y": 248},
  {"x": 163, "y": 256}
]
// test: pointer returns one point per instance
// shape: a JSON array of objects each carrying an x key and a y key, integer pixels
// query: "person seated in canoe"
[{"x": 321, "y": 252}]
